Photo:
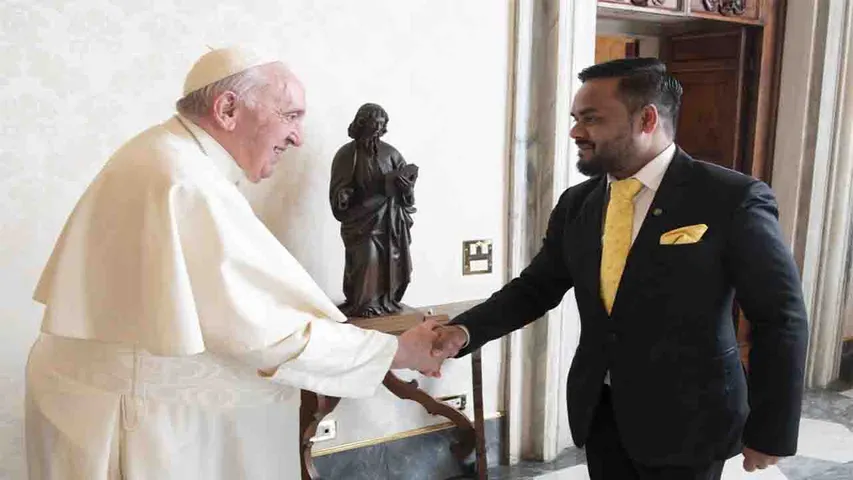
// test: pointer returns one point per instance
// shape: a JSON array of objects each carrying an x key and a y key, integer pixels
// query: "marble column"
[
  {"x": 831, "y": 280},
  {"x": 813, "y": 168},
  {"x": 554, "y": 39}
]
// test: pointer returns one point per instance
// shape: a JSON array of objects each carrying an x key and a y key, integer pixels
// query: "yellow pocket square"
[{"x": 684, "y": 235}]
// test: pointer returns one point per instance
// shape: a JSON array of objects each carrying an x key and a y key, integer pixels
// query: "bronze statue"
[{"x": 372, "y": 195}]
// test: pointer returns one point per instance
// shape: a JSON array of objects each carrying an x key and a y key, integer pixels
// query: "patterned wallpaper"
[{"x": 77, "y": 78}]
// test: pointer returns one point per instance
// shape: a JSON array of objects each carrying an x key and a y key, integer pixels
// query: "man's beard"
[
  {"x": 369, "y": 144},
  {"x": 608, "y": 157}
]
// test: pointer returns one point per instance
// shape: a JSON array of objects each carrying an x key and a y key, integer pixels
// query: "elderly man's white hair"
[{"x": 232, "y": 69}]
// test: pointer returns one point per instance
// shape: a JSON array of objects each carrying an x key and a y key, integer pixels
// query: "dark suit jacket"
[{"x": 680, "y": 394}]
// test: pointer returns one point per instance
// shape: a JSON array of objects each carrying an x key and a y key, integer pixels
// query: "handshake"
[{"x": 425, "y": 347}]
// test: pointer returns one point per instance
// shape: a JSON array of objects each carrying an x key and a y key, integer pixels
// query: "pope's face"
[{"x": 270, "y": 123}]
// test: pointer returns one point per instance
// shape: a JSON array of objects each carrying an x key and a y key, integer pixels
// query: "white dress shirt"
[{"x": 651, "y": 175}]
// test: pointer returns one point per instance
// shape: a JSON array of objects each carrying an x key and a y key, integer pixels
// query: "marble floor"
[{"x": 825, "y": 448}]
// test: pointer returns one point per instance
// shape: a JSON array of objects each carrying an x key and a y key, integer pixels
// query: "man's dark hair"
[{"x": 642, "y": 81}]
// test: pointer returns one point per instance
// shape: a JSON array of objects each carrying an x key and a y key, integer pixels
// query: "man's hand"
[
  {"x": 414, "y": 350},
  {"x": 451, "y": 339},
  {"x": 403, "y": 183},
  {"x": 344, "y": 196},
  {"x": 753, "y": 459},
  {"x": 401, "y": 180}
]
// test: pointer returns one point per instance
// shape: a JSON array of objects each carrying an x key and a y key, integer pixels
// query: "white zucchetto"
[{"x": 222, "y": 63}]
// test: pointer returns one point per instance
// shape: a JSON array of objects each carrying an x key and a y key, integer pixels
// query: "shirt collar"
[
  {"x": 651, "y": 175},
  {"x": 221, "y": 159}
]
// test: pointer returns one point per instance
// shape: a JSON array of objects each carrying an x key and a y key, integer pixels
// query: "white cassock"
[{"x": 164, "y": 297}]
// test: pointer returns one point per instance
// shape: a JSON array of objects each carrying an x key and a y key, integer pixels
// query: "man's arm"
[
  {"x": 539, "y": 288},
  {"x": 768, "y": 289}
]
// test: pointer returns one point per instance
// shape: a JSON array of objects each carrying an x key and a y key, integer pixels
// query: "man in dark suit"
[{"x": 657, "y": 246}]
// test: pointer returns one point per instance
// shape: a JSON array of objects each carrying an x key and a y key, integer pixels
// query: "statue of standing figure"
[{"x": 372, "y": 195}]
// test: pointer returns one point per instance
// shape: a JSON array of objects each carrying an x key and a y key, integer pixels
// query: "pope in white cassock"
[{"x": 177, "y": 331}]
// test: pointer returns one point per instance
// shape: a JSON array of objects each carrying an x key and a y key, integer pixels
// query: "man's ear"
[
  {"x": 225, "y": 110},
  {"x": 649, "y": 118}
]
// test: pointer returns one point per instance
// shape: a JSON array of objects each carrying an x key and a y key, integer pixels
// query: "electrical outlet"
[
  {"x": 457, "y": 402},
  {"x": 326, "y": 430},
  {"x": 476, "y": 257}
]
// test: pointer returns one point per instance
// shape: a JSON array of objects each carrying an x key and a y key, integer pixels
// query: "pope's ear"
[{"x": 225, "y": 110}]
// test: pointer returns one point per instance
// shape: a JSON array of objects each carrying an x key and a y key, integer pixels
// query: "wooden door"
[{"x": 711, "y": 69}]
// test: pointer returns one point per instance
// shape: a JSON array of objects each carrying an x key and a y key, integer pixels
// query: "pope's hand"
[{"x": 414, "y": 349}]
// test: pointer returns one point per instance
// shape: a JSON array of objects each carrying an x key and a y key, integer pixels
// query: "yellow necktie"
[{"x": 618, "y": 226}]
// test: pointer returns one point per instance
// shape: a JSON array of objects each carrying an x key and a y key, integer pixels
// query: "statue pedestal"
[{"x": 469, "y": 436}]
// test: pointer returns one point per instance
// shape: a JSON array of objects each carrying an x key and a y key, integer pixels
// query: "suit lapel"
[
  {"x": 586, "y": 234},
  {"x": 667, "y": 200}
]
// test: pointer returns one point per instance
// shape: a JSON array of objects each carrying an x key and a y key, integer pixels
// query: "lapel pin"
[{"x": 656, "y": 212}]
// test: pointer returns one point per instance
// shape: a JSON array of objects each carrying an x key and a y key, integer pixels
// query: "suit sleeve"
[
  {"x": 539, "y": 288},
  {"x": 768, "y": 289}
]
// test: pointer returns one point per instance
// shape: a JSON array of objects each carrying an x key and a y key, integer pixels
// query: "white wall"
[{"x": 78, "y": 78}]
